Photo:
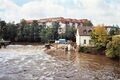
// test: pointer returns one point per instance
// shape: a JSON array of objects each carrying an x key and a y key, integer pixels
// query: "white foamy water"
[
  {"x": 14, "y": 51},
  {"x": 15, "y": 60}
]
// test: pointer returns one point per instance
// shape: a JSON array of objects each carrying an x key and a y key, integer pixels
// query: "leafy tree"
[
  {"x": 2, "y": 28},
  {"x": 35, "y": 31},
  {"x": 21, "y": 32},
  {"x": 70, "y": 33},
  {"x": 87, "y": 23},
  {"x": 46, "y": 34},
  {"x": 113, "y": 47},
  {"x": 99, "y": 37},
  {"x": 62, "y": 36},
  {"x": 27, "y": 33},
  {"x": 114, "y": 31},
  {"x": 10, "y": 32},
  {"x": 55, "y": 26}
]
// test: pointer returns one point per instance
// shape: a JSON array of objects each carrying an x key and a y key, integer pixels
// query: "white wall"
[
  {"x": 77, "y": 38},
  {"x": 48, "y": 24},
  {"x": 63, "y": 28},
  {"x": 76, "y": 25},
  {"x": 62, "y": 25},
  {"x": 80, "y": 40},
  {"x": 87, "y": 38},
  {"x": 71, "y": 24}
]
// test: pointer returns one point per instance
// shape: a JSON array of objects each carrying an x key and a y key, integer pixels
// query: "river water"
[{"x": 27, "y": 62}]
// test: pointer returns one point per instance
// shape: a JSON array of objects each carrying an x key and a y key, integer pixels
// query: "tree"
[
  {"x": 35, "y": 31},
  {"x": 10, "y": 32},
  {"x": 87, "y": 23},
  {"x": 2, "y": 28},
  {"x": 46, "y": 34},
  {"x": 21, "y": 32},
  {"x": 55, "y": 26},
  {"x": 99, "y": 37},
  {"x": 114, "y": 31},
  {"x": 70, "y": 33},
  {"x": 113, "y": 47}
]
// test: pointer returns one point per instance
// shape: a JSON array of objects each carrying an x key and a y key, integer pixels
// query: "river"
[{"x": 28, "y": 62}]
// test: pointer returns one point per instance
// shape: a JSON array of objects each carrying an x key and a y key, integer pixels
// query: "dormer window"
[
  {"x": 89, "y": 31},
  {"x": 85, "y": 31}
]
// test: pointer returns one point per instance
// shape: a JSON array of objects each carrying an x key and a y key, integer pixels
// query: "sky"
[{"x": 98, "y": 11}]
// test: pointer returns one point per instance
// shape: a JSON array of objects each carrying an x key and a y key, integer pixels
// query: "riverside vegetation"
[
  {"x": 104, "y": 42},
  {"x": 23, "y": 32}
]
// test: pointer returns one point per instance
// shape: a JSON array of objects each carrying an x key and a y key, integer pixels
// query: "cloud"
[
  {"x": 99, "y": 11},
  {"x": 10, "y": 10},
  {"x": 38, "y": 9}
]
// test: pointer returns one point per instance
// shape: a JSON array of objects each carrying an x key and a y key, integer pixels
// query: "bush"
[
  {"x": 84, "y": 49},
  {"x": 92, "y": 50},
  {"x": 52, "y": 41},
  {"x": 113, "y": 48}
]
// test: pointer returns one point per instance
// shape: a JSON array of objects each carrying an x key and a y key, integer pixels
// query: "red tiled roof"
[
  {"x": 60, "y": 19},
  {"x": 29, "y": 21}
]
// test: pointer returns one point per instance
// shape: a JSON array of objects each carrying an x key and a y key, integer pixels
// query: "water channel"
[{"x": 28, "y": 62}]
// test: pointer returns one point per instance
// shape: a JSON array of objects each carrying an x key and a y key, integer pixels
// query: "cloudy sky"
[{"x": 98, "y": 11}]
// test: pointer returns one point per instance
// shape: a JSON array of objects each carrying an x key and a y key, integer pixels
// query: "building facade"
[
  {"x": 63, "y": 23},
  {"x": 83, "y": 36}
]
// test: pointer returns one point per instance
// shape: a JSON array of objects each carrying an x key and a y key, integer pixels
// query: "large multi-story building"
[{"x": 63, "y": 22}]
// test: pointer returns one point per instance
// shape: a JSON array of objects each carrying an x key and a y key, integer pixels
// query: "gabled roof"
[{"x": 85, "y": 30}]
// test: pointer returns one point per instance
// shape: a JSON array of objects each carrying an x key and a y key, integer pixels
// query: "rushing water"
[{"x": 18, "y": 62}]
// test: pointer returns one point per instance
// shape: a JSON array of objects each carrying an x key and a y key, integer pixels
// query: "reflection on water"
[
  {"x": 89, "y": 59},
  {"x": 98, "y": 66}
]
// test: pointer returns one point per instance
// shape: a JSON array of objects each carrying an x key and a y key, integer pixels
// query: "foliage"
[
  {"x": 114, "y": 31},
  {"x": 87, "y": 23},
  {"x": 55, "y": 26},
  {"x": 62, "y": 36},
  {"x": 99, "y": 37},
  {"x": 86, "y": 49},
  {"x": 10, "y": 32},
  {"x": 29, "y": 32},
  {"x": 69, "y": 34},
  {"x": 82, "y": 49},
  {"x": 47, "y": 34},
  {"x": 2, "y": 28},
  {"x": 113, "y": 47}
]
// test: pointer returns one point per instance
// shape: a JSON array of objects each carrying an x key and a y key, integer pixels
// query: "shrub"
[
  {"x": 84, "y": 49},
  {"x": 92, "y": 50},
  {"x": 113, "y": 47},
  {"x": 51, "y": 41}
]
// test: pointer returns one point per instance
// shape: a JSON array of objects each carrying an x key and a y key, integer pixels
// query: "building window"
[
  {"x": 85, "y": 31},
  {"x": 84, "y": 41},
  {"x": 89, "y": 31}
]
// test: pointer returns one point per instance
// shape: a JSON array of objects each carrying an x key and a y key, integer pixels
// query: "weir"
[{"x": 4, "y": 43}]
